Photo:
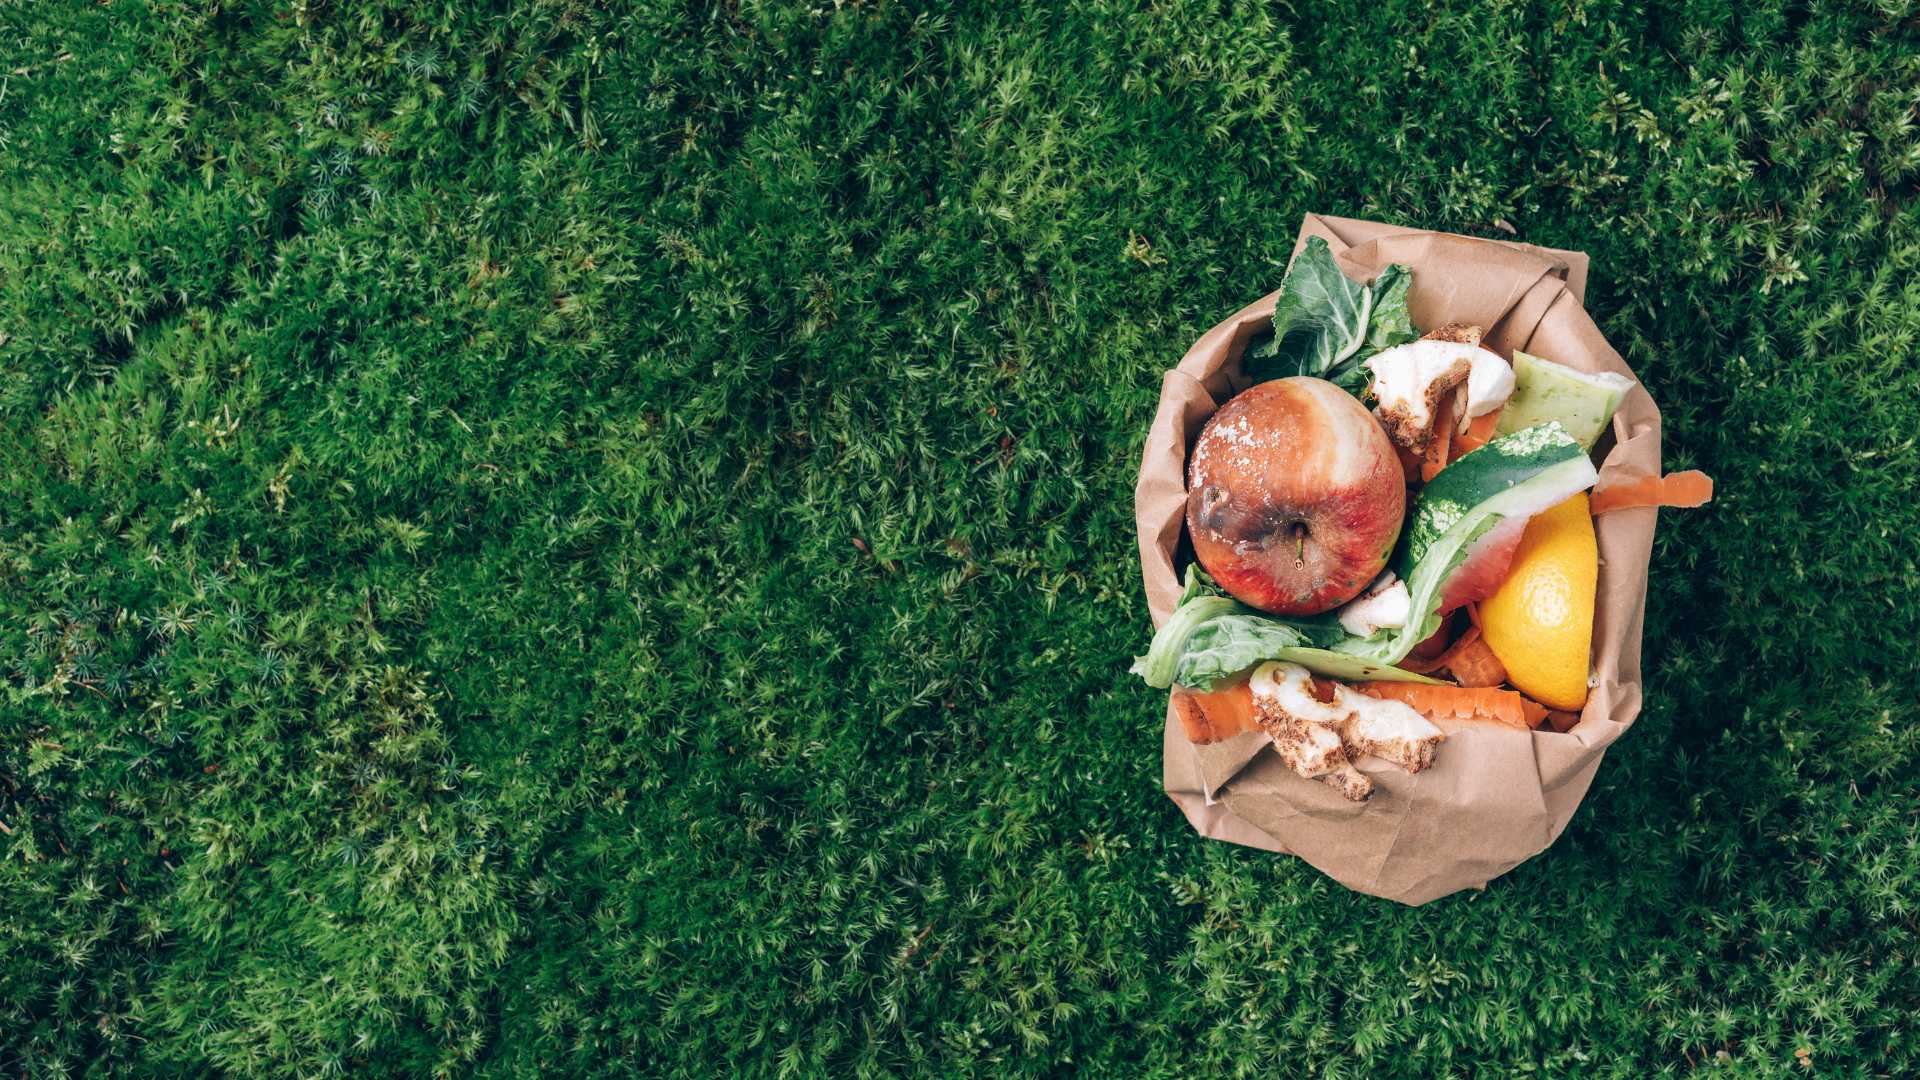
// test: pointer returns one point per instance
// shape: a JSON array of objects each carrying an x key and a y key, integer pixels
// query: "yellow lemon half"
[{"x": 1540, "y": 623}]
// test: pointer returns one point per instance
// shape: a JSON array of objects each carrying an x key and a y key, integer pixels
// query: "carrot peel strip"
[
  {"x": 1469, "y": 658},
  {"x": 1422, "y": 667},
  {"x": 1441, "y": 702},
  {"x": 1473, "y": 663},
  {"x": 1216, "y": 715},
  {"x": 1478, "y": 434},
  {"x": 1536, "y": 713},
  {"x": 1682, "y": 490}
]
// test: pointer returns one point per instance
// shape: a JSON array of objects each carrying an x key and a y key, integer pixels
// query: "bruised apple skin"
[{"x": 1294, "y": 496}]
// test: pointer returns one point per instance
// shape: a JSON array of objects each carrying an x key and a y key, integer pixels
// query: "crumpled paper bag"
[{"x": 1495, "y": 797}]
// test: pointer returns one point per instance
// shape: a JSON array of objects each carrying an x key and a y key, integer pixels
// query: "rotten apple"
[{"x": 1294, "y": 496}]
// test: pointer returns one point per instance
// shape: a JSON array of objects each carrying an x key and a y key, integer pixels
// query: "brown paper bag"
[{"x": 1495, "y": 797}]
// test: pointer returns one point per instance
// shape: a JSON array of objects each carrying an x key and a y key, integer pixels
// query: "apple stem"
[{"x": 1299, "y": 545}]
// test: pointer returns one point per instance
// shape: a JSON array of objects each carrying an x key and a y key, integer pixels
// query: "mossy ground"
[{"x": 545, "y": 540}]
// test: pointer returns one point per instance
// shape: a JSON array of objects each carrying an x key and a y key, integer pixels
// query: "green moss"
[{"x": 536, "y": 540}]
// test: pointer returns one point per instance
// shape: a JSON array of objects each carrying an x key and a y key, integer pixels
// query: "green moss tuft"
[{"x": 538, "y": 540}]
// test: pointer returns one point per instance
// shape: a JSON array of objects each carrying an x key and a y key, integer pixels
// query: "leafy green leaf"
[
  {"x": 1353, "y": 379},
  {"x": 1340, "y": 665},
  {"x": 1161, "y": 665},
  {"x": 1261, "y": 360},
  {"x": 1325, "y": 324},
  {"x": 1211, "y": 635},
  {"x": 1391, "y": 323},
  {"x": 1320, "y": 317},
  {"x": 1230, "y": 643}
]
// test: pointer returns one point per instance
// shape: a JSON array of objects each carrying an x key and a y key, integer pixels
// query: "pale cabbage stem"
[{"x": 1360, "y": 328}]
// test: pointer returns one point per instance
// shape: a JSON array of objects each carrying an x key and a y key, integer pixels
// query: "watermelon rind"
[{"x": 1516, "y": 475}]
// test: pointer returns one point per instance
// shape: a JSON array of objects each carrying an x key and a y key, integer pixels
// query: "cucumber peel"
[{"x": 1543, "y": 392}]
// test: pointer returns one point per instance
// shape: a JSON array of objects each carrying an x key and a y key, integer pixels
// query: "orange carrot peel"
[
  {"x": 1478, "y": 434},
  {"x": 1472, "y": 662},
  {"x": 1215, "y": 715},
  {"x": 1682, "y": 489},
  {"x": 1438, "y": 702}
]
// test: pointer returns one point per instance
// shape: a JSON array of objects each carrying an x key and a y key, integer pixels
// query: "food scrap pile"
[{"x": 1393, "y": 536}]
